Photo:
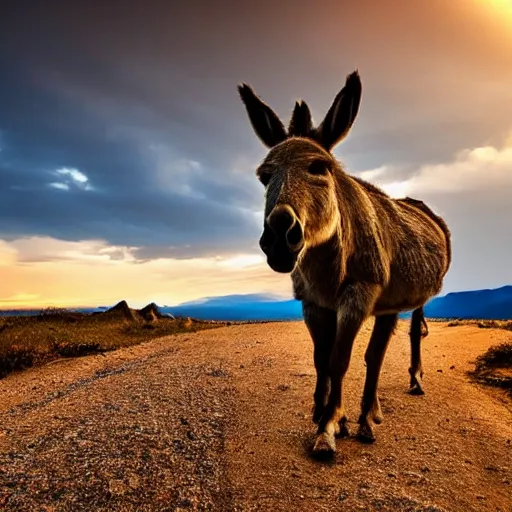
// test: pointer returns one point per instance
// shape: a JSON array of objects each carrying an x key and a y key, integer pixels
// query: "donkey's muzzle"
[{"x": 282, "y": 239}]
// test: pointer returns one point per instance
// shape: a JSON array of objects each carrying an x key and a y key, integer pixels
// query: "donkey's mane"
[{"x": 370, "y": 187}]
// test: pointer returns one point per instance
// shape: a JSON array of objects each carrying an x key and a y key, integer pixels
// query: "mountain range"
[
  {"x": 492, "y": 304},
  {"x": 495, "y": 304}
]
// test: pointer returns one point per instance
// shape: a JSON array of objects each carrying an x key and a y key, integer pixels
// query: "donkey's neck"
[{"x": 320, "y": 272}]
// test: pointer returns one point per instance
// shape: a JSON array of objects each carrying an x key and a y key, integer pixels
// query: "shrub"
[
  {"x": 493, "y": 367},
  {"x": 498, "y": 356},
  {"x": 17, "y": 359},
  {"x": 78, "y": 349}
]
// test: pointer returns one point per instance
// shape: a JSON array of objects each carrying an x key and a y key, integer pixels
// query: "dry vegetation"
[
  {"x": 483, "y": 324},
  {"x": 55, "y": 333},
  {"x": 494, "y": 367}
]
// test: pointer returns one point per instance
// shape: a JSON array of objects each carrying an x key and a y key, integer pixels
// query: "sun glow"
[
  {"x": 41, "y": 271},
  {"x": 501, "y": 7},
  {"x": 243, "y": 261},
  {"x": 502, "y": 4}
]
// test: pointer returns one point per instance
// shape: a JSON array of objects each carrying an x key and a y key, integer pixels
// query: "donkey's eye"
[
  {"x": 318, "y": 167},
  {"x": 264, "y": 177}
]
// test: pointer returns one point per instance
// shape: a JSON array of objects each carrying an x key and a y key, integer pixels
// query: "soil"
[{"x": 221, "y": 420}]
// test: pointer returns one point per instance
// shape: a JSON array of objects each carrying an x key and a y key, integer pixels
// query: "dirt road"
[{"x": 220, "y": 420}]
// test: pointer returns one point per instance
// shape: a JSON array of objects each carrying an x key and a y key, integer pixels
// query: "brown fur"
[{"x": 364, "y": 253}]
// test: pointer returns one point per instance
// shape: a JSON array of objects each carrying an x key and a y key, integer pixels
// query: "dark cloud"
[{"x": 134, "y": 218}]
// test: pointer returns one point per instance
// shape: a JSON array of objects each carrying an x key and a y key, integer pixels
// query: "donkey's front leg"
[
  {"x": 321, "y": 324},
  {"x": 355, "y": 306}
]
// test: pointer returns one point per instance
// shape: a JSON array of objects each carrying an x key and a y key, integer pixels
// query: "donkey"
[{"x": 352, "y": 252}]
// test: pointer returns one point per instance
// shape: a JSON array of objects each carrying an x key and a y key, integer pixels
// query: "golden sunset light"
[{"x": 80, "y": 274}]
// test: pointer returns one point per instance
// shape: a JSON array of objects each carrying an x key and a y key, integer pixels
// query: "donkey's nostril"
[
  {"x": 281, "y": 220},
  {"x": 286, "y": 229},
  {"x": 295, "y": 237},
  {"x": 267, "y": 239}
]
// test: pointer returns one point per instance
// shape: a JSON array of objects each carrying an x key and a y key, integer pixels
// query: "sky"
[{"x": 127, "y": 162}]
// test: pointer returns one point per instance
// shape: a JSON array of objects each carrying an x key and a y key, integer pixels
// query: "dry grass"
[
  {"x": 26, "y": 341},
  {"x": 483, "y": 324},
  {"x": 498, "y": 356},
  {"x": 494, "y": 367}
]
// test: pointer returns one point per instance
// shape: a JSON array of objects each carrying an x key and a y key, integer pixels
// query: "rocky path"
[{"x": 220, "y": 420}]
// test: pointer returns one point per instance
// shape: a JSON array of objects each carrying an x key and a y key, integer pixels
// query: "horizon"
[
  {"x": 128, "y": 164},
  {"x": 264, "y": 298}
]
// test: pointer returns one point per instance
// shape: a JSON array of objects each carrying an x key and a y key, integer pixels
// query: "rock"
[
  {"x": 150, "y": 313},
  {"x": 121, "y": 309}
]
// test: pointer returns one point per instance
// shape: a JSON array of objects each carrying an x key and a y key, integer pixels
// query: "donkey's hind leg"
[
  {"x": 416, "y": 333},
  {"x": 424, "y": 333}
]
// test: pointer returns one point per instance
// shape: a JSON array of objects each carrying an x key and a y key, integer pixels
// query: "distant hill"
[
  {"x": 239, "y": 307},
  {"x": 479, "y": 304}
]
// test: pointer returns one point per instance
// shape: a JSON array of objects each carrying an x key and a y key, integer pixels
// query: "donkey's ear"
[
  {"x": 301, "y": 124},
  {"x": 264, "y": 120},
  {"x": 342, "y": 113}
]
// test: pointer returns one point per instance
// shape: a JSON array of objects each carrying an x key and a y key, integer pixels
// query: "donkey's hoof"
[
  {"x": 415, "y": 384},
  {"x": 416, "y": 390},
  {"x": 343, "y": 430},
  {"x": 325, "y": 446},
  {"x": 365, "y": 433}
]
